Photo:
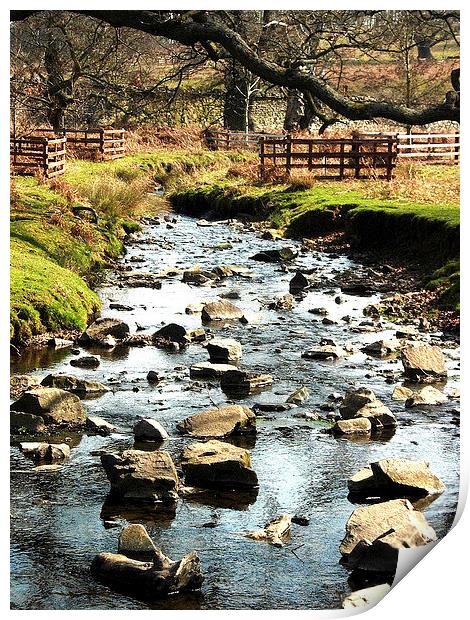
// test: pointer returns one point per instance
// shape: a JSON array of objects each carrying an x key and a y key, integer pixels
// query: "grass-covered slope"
[
  {"x": 54, "y": 252},
  {"x": 416, "y": 216}
]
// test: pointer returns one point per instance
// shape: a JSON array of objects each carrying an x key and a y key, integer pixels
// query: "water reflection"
[
  {"x": 232, "y": 499},
  {"x": 161, "y": 514}
]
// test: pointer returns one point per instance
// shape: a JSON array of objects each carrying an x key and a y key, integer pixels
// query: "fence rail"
[
  {"x": 108, "y": 143},
  {"x": 222, "y": 139},
  {"x": 435, "y": 147},
  {"x": 335, "y": 158},
  {"x": 29, "y": 155}
]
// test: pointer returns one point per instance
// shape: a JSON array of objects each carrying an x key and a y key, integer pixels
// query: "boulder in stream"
[
  {"x": 299, "y": 397},
  {"x": 140, "y": 476},
  {"x": 149, "y": 429},
  {"x": 428, "y": 395},
  {"x": 396, "y": 477},
  {"x": 244, "y": 382},
  {"x": 276, "y": 532},
  {"x": 148, "y": 580},
  {"x": 221, "y": 310},
  {"x": 363, "y": 403},
  {"x": 275, "y": 256},
  {"x": 285, "y": 302},
  {"x": 382, "y": 348},
  {"x": 172, "y": 333},
  {"x": 374, "y": 535},
  {"x": 208, "y": 370},
  {"x": 220, "y": 422},
  {"x": 95, "y": 424},
  {"x": 423, "y": 363},
  {"x": 324, "y": 352},
  {"x": 54, "y": 406},
  {"x": 86, "y": 361},
  {"x": 98, "y": 331},
  {"x": 215, "y": 464},
  {"x": 400, "y": 392},
  {"x": 49, "y": 452},
  {"x": 355, "y": 426},
  {"x": 73, "y": 384},
  {"x": 225, "y": 350},
  {"x": 298, "y": 283}
]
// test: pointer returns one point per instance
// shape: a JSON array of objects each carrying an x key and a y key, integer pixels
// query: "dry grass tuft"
[
  {"x": 144, "y": 139},
  {"x": 118, "y": 198},
  {"x": 248, "y": 171},
  {"x": 59, "y": 185}
]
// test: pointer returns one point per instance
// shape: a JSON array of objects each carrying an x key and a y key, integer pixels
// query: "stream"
[{"x": 58, "y": 517}]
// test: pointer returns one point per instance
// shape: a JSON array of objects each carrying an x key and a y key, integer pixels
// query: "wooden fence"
[
  {"x": 330, "y": 158},
  {"x": 222, "y": 139},
  {"x": 432, "y": 147},
  {"x": 108, "y": 143},
  {"x": 30, "y": 155}
]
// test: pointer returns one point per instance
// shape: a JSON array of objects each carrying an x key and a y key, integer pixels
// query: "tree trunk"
[{"x": 238, "y": 103}]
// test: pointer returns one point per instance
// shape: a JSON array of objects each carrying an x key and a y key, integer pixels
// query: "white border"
[{"x": 438, "y": 586}]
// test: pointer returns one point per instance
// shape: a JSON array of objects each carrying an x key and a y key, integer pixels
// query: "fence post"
[
  {"x": 227, "y": 147},
  {"x": 102, "y": 143},
  {"x": 310, "y": 147},
  {"x": 261, "y": 155},
  {"x": 355, "y": 154},
  {"x": 457, "y": 148},
  {"x": 341, "y": 160},
  {"x": 289, "y": 154},
  {"x": 390, "y": 158},
  {"x": 45, "y": 155}
]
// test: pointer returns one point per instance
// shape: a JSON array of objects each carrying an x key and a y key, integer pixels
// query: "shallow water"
[{"x": 57, "y": 517}]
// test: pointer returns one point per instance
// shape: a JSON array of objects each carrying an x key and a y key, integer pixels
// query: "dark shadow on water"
[
  {"x": 146, "y": 513},
  {"x": 184, "y": 600},
  {"x": 71, "y": 438},
  {"x": 419, "y": 503},
  {"x": 36, "y": 357},
  {"x": 358, "y": 579},
  {"x": 221, "y": 498},
  {"x": 247, "y": 442},
  {"x": 148, "y": 446}
]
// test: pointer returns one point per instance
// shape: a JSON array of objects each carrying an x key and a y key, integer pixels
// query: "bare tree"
[{"x": 212, "y": 32}]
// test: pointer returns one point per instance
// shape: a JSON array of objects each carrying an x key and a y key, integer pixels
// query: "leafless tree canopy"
[{"x": 295, "y": 51}]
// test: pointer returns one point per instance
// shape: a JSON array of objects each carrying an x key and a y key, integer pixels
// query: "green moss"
[
  {"x": 46, "y": 297},
  {"x": 411, "y": 230},
  {"x": 52, "y": 250},
  {"x": 446, "y": 281}
]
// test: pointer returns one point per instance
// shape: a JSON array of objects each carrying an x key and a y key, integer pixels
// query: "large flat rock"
[
  {"x": 74, "y": 384},
  {"x": 423, "y": 363},
  {"x": 208, "y": 370},
  {"x": 141, "y": 476},
  {"x": 221, "y": 310},
  {"x": 53, "y": 405},
  {"x": 217, "y": 464},
  {"x": 395, "y": 523},
  {"x": 220, "y": 422}
]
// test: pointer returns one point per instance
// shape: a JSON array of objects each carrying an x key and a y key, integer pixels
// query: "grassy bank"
[
  {"x": 416, "y": 217},
  {"x": 55, "y": 254}
]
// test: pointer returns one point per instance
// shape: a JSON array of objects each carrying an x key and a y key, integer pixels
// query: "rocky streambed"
[{"x": 310, "y": 357}]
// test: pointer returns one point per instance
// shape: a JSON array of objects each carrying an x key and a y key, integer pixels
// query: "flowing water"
[{"x": 57, "y": 517}]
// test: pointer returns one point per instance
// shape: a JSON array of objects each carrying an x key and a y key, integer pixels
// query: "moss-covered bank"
[
  {"x": 55, "y": 254},
  {"x": 411, "y": 230}
]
